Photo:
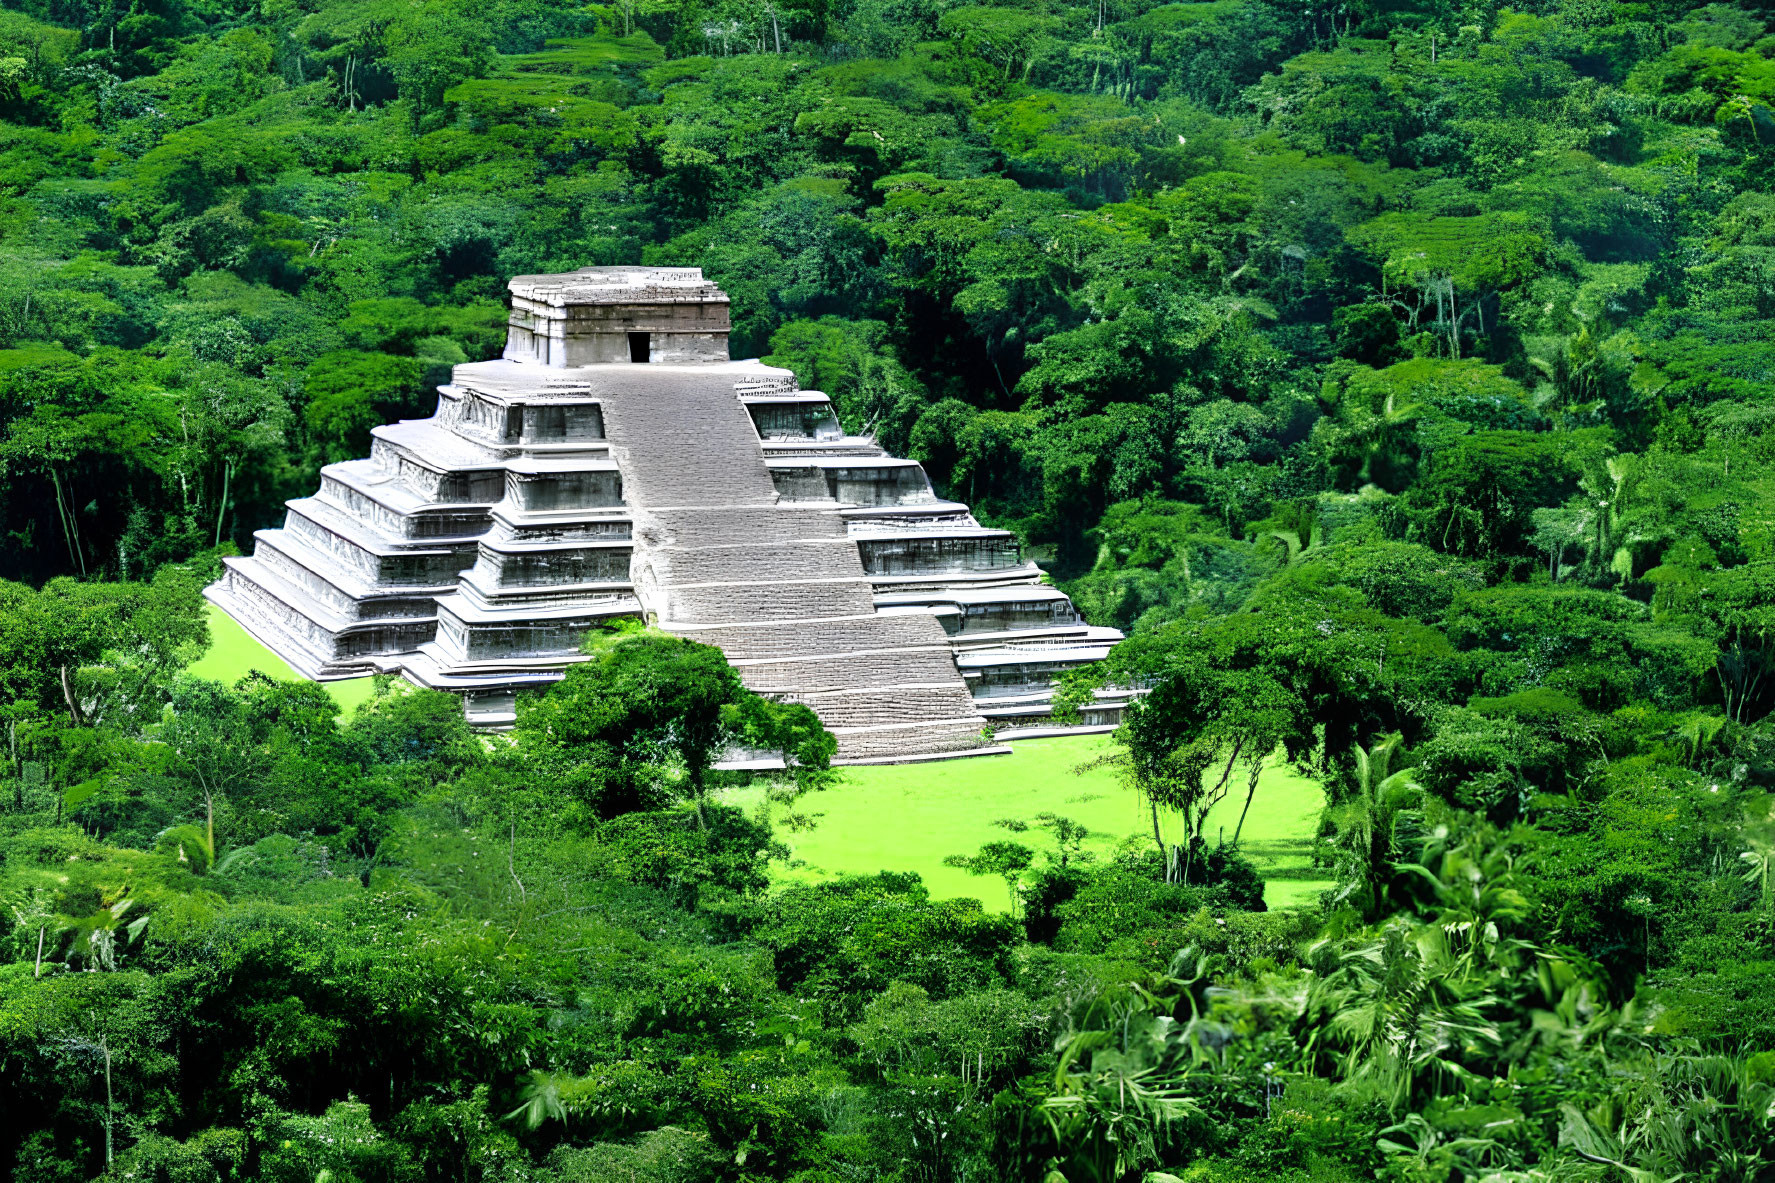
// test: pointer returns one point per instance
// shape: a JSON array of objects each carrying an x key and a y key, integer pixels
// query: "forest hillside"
[{"x": 1398, "y": 374}]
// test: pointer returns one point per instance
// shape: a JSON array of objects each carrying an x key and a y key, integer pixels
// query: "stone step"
[
  {"x": 810, "y": 639},
  {"x": 682, "y": 438},
  {"x": 783, "y": 600},
  {"x": 923, "y": 738},
  {"x": 848, "y": 672},
  {"x": 740, "y": 525},
  {"x": 801, "y": 558},
  {"x": 882, "y": 705}
]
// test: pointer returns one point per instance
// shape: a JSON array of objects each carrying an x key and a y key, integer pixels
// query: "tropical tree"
[
  {"x": 215, "y": 750},
  {"x": 651, "y": 710},
  {"x": 1374, "y": 821},
  {"x": 1181, "y": 742},
  {"x": 1119, "y": 1089},
  {"x": 1007, "y": 860},
  {"x": 1427, "y": 1004},
  {"x": 1442, "y": 273}
]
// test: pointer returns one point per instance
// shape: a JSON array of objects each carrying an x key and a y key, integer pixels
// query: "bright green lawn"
[
  {"x": 907, "y": 817},
  {"x": 233, "y": 653}
]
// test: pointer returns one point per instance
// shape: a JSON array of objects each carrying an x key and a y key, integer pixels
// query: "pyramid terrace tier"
[
  {"x": 439, "y": 466},
  {"x": 321, "y": 640},
  {"x": 536, "y": 486},
  {"x": 940, "y": 553},
  {"x": 799, "y": 423},
  {"x": 1013, "y": 685},
  {"x": 852, "y": 480},
  {"x": 378, "y": 558},
  {"x": 490, "y": 408},
  {"x": 474, "y": 631},
  {"x": 982, "y": 614},
  {"x": 1034, "y": 712},
  {"x": 803, "y": 417},
  {"x": 367, "y": 491},
  {"x": 1010, "y": 671},
  {"x": 513, "y": 568},
  {"x": 313, "y": 577},
  {"x": 489, "y": 689}
]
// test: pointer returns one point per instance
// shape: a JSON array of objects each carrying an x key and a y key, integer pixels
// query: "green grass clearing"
[
  {"x": 907, "y": 817},
  {"x": 234, "y": 653}
]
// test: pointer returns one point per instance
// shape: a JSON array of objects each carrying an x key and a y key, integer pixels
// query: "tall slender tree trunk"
[
  {"x": 696, "y": 796},
  {"x": 1250, "y": 792},
  {"x": 70, "y": 527},
  {"x": 222, "y": 505},
  {"x": 110, "y": 1157},
  {"x": 73, "y": 703}
]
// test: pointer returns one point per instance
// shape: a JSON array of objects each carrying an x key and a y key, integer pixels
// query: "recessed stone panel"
[{"x": 940, "y": 555}]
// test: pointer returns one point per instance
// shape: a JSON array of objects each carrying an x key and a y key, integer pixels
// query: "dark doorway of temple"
[{"x": 638, "y": 347}]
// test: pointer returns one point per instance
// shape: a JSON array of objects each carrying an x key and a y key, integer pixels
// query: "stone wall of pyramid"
[{"x": 616, "y": 463}]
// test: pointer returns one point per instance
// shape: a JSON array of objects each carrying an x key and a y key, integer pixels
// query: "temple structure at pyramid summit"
[{"x": 616, "y": 463}]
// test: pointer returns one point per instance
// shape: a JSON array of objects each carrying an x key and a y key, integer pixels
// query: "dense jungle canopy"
[{"x": 1397, "y": 373}]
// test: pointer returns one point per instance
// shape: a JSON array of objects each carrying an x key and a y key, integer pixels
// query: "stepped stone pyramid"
[{"x": 616, "y": 463}]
